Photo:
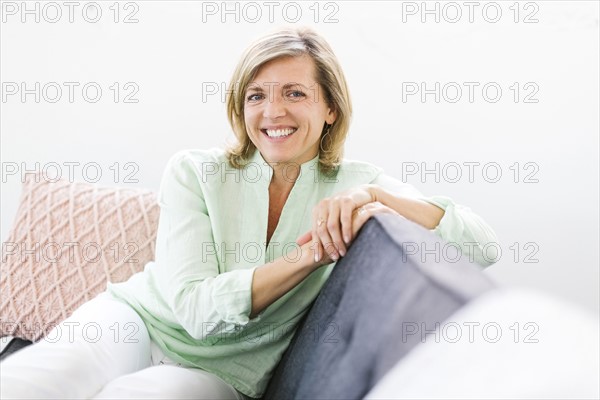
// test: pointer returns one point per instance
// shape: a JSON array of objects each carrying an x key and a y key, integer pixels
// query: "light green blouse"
[{"x": 195, "y": 297}]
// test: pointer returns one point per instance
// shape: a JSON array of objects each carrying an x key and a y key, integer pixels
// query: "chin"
[{"x": 276, "y": 156}]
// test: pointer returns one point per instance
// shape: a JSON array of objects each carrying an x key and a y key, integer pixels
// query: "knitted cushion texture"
[{"x": 68, "y": 239}]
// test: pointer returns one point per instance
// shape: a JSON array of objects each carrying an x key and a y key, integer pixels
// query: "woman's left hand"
[{"x": 332, "y": 221}]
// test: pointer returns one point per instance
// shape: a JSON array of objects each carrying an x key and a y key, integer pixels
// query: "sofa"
[
  {"x": 391, "y": 323},
  {"x": 358, "y": 327},
  {"x": 385, "y": 323},
  {"x": 352, "y": 335}
]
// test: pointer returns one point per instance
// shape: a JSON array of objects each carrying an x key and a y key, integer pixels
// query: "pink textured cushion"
[{"x": 67, "y": 241}]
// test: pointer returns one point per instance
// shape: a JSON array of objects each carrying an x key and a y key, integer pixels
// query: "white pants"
[{"x": 103, "y": 351}]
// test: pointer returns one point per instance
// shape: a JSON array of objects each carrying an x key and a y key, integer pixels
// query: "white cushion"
[{"x": 554, "y": 355}]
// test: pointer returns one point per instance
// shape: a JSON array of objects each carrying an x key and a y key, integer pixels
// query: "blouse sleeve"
[
  {"x": 459, "y": 225},
  {"x": 205, "y": 302}
]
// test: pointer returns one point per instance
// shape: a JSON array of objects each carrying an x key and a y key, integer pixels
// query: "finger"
[
  {"x": 326, "y": 242},
  {"x": 379, "y": 208},
  {"x": 320, "y": 234},
  {"x": 361, "y": 216},
  {"x": 346, "y": 220},
  {"x": 317, "y": 221},
  {"x": 315, "y": 245},
  {"x": 326, "y": 259},
  {"x": 334, "y": 230},
  {"x": 319, "y": 229},
  {"x": 365, "y": 212},
  {"x": 304, "y": 238}
]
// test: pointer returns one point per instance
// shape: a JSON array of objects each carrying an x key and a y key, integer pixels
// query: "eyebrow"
[
  {"x": 289, "y": 85},
  {"x": 257, "y": 88}
]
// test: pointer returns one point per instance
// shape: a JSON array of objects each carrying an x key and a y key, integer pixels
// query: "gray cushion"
[{"x": 354, "y": 332}]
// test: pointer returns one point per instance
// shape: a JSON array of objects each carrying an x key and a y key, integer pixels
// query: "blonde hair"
[{"x": 291, "y": 42}]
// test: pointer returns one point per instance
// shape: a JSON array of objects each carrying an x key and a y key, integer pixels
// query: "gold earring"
[{"x": 327, "y": 128}]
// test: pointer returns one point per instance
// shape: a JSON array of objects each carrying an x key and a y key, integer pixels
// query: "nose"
[{"x": 275, "y": 107}]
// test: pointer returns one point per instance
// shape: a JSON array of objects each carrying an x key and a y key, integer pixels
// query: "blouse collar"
[{"x": 259, "y": 170}]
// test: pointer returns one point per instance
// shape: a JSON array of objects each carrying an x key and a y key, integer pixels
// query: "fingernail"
[
  {"x": 346, "y": 239},
  {"x": 334, "y": 257},
  {"x": 316, "y": 257},
  {"x": 342, "y": 252}
]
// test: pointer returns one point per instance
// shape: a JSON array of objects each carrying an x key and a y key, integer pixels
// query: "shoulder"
[
  {"x": 358, "y": 170},
  {"x": 200, "y": 162},
  {"x": 190, "y": 172},
  {"x": 194, "y": 168},
  {"x": 196, "y": 157}
]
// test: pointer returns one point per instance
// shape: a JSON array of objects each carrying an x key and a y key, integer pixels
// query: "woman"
[{"x": 246, "y": 239}]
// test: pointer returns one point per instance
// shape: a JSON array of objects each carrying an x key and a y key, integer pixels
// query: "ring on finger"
[
  {"x": 320, "y": 221},
  {"x": 362, "y": 210}
]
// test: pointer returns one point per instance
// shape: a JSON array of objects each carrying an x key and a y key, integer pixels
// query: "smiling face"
[{"x": 285, "y": 110}]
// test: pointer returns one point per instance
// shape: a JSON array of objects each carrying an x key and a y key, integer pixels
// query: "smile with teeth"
[{"x": 279, "y": 132}]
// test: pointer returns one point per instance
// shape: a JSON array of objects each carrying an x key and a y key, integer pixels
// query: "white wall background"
[{"x": 171, "y": 52}]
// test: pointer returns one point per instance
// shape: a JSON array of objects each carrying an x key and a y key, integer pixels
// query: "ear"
[{"x": 331, "y": 116}]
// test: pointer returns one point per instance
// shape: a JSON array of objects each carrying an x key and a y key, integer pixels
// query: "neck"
[{"x": 285, "y": 174}]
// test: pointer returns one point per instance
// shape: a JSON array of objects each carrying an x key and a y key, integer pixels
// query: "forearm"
[
  {"x": 273, "y": 280},
  {"x": 460, "y": 225},
  {"x": 418, "y": 211}
]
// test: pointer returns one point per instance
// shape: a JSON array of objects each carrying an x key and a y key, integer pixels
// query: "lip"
[{"x": 272, "y": 127}]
